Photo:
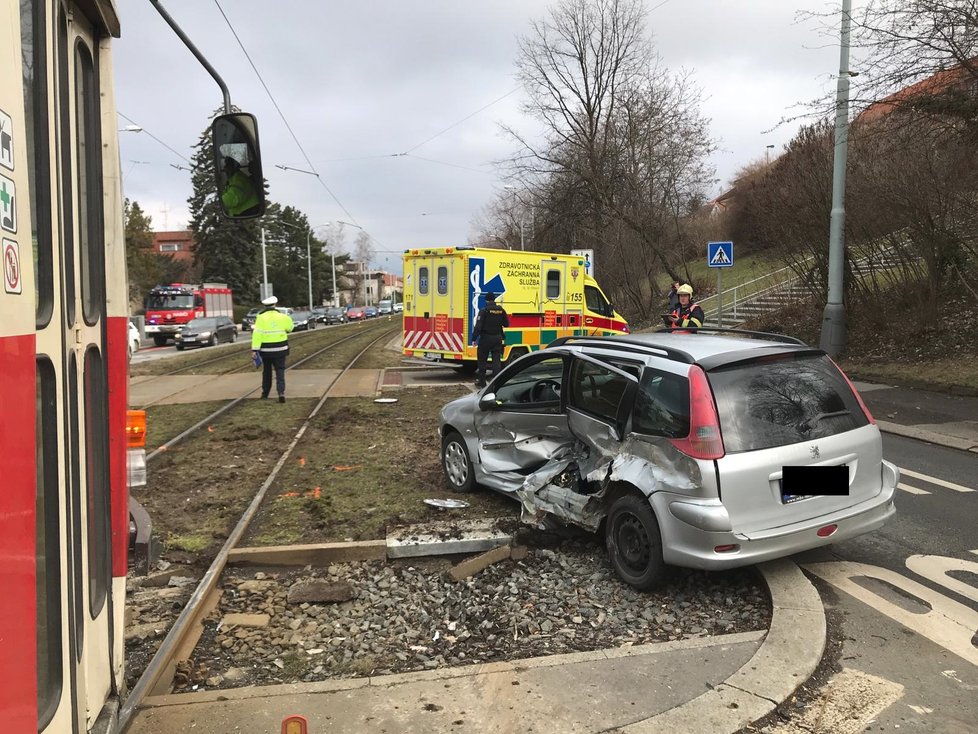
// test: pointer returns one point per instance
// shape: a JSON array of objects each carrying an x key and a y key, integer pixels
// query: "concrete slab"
[
  {"x": 144, "y": 391},
  {"x": 431, "y": 539},
  {"x": 521, "y": 696},
  {"x": 357, "y": 383}
]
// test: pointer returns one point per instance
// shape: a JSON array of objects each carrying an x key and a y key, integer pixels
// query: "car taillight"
[
  {"x": 869, "y": 416},
  {"x": 704, "y": 440}
]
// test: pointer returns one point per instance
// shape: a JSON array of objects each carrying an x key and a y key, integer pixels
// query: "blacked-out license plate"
[{"x": 804, "y": 482}]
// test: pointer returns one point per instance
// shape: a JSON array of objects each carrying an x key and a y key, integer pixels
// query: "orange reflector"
[
  {"x": 726, "y": 548},
  {"x": 449, "y": 250},
  {"x": 135, "y": 429},
  {"x": 827, "y": 530},
  {"x": 295, "y": 725}
]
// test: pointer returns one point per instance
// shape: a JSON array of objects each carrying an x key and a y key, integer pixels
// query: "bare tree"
[{"x": 624, "y": 148}]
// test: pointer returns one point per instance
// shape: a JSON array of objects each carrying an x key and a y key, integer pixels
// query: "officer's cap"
[
  {"x": 490, "y": 296},
  {"x": 270, "y": 301}
]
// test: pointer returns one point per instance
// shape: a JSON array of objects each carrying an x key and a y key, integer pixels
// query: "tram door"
[{"x": 75, "y": 595}]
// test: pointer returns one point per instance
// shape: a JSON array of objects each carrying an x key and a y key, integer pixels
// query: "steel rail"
[{"x": 157, "y": 666}]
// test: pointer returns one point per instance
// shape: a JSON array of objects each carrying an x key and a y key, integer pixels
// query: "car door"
[
  {"x": 528, "y": 425},
  {"x": 599, "y": 397}
]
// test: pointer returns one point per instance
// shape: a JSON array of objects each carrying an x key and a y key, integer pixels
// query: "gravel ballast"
[{"x": 410, "y": 616}]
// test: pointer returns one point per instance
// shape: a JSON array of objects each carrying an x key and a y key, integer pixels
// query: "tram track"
[
  {"x": 236, "y": 401},
  {"x": 157, "y": 677}
]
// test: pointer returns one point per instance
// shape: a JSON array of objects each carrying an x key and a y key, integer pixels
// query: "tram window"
[
  {"x": 75, "y": 501},
  {"x": 90, "y": 228},
  {"x": 48, "y": 538},
  {"x": 97, "y": 478},
  {"x": 32, "y": 16},
  {"x": 64, "y": 138},
  {"x": 553, "y": 284}
]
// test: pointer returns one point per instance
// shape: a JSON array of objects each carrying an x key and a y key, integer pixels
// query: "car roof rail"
[
  {"x": 738, "y": 332},
  {"x": 623, "y": 343}
]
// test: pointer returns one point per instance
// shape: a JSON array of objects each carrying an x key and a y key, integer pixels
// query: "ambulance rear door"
[{"x": 436, "y": 321}]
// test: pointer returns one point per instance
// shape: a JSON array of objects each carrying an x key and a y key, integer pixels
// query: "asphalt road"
[{"x": 910, "y": 608}]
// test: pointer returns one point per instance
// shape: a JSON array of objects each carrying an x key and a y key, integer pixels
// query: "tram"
[{"x": 68, "y": 442}]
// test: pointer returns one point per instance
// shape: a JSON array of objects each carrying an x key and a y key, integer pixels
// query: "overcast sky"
[{"x": 360, "y": 82}]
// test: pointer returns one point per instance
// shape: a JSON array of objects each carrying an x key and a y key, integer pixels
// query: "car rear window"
[{"x": 777, "y": 402}]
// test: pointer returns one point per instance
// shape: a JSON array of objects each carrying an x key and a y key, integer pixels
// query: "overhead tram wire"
[
  {"x": 143, "y": 129},
  {"x": 278, "y": 109}
]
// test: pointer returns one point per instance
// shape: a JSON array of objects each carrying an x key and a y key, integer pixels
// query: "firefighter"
[
  {"x": 270, "y": 340},
  {"x": 687, "y": 313},
  {"x": 488, "y": 334}
]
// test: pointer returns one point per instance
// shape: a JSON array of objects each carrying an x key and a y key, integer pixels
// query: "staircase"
[{"x": 773, "y": 291}]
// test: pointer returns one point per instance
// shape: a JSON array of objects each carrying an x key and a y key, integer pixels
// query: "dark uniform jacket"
[
  {"x": 491, "y": 321},
  {"x": 691, "y": 316}
]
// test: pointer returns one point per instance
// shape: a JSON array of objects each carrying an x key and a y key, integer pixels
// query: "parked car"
[
  {"x": 335, "y": 316},
  {"x": 133, "y": 339},
  {"x": 206, "y": 331},
  {"x": 355, "y": 314},
  {"x": 370, "y": 312},
  {"x": 698, "y": 450},
  {"x": 303, "y": 320},
  {"x": 319, "y": 314},
  {"x": 385, "y": 307},
  {"x": 398, "y": 307},
  {"x": 248, "y": 320}
]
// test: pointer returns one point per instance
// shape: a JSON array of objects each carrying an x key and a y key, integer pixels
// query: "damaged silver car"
[{"x": 707, "y": 450}]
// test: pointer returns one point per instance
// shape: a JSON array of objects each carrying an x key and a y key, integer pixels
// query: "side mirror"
[
  {"x": 237, "y": 166},
  {"x": 488, "y": 402}
]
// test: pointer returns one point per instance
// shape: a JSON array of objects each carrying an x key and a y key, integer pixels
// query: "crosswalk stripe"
[
  {"x": 911, "y": 490},
  {"x": 935, "y": 480}
]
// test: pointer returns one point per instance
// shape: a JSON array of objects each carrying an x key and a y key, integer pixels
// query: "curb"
[
  {"x": 922, "y": 434},
  {"x": 786, "y": 659}
]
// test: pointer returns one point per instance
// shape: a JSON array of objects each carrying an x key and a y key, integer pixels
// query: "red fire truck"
[{"x": 169, "y": 307}]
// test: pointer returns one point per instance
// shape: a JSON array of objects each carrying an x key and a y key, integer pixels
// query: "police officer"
[
  {"x": 488, "y": 334},
  {"x": 687, "y": 313},
  {"x": 270, "y": 339}
]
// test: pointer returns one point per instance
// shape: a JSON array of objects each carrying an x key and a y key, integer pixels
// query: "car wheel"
[
  {"x": 634, "y": 543},
  {"x": 213, "y": 341},
  {"x": 159, "y": 341},
  {"x": 179, "y": 347},
  {"x": 234, "y": 336},
  {"x": 455, "y": 462},
  {"x": 515, "y": 353}
]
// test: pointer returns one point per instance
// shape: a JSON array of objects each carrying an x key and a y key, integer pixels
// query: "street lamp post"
[{"x": 834, "y": 330}]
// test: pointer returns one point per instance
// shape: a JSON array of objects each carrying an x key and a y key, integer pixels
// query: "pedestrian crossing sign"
[{"x": 719, "y": 254}]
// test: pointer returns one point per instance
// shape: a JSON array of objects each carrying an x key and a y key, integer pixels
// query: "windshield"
[
  {"x": 766, "y": 404},
  {"x": 200, "y": 324},
  {"x": 168, "y": 301}
]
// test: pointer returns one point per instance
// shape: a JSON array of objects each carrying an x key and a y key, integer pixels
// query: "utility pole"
[
  {"x": 266, "y": 291},
  {"x": 834, "y": 337}
]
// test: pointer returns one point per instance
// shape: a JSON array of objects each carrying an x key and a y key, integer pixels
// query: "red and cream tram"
[
  {"x": 68, "y": 452},
  {"x": 63, "y": 357}
]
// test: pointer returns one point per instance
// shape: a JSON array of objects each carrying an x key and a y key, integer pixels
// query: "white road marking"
[
  {"x": 974, "y": 551},
  {"x": 911, "y": 490},
  {"x": 920, "y": 709},
  {"x": 938, "y": 568},
  {"x": 850, "y": 702},
  {"x": 935, "y": 480},
  {"x": 949, "y": 623}
]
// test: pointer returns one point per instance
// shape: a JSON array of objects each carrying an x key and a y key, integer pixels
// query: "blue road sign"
[{"x": 719, "y": 254}]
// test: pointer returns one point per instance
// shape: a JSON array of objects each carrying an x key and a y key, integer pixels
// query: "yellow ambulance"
[{"x": 546, "y": 295}]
